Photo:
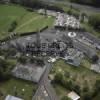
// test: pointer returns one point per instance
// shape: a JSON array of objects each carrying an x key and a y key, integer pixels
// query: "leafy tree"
[
  {"x": 10, "y": 52},
  {"x": 77, "y": 89},
  {"x": 94, "y": 20},
  {"x": 85, "y": 89},
  {"x": 87, "y": 96},
  {"x": 97, "y": 85},
  {"x": 67, "y": 74},
  {"x": 65, "y": 98},
  {"x": 58, "y": 77},
  {"x": 40, "y": 62},
  {"x": 22, "y": 59},
  {"x": 32, "y": 60},
  {"x": 88, "y": 2},
  {"x": 5, "y": 71},
  {"x": 95, "y": 58},
  {"x": 13, "y": 26}
]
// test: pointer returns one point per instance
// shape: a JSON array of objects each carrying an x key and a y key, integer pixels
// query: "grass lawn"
[
  {"x": 33, "y": 23},
  {"x": 26, "y": 21},
  {"x": 8, "y": 87},
  {"x": 97, "y": 97},
  {"x": 14, "y": 86},
  {"x": 8, "y": 14},
  {"x": 61, "y": 91},
  {"x": 82, "y": 75}
]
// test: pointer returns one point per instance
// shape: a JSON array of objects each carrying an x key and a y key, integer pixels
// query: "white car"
[{"x": 52, "y": 60}]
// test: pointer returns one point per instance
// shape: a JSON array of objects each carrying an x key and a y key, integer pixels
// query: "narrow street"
[{"x": 45, "y": 91}]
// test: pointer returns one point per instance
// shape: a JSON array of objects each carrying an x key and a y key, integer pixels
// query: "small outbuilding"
[
  {"x": 9, "y": 97},
  {"x": 73, "y": 96}
]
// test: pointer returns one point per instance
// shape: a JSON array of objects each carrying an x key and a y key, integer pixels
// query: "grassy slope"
[
  {"x": 27, "y": 21},
  {"x": 8, "y": 14},
  {"x": 7, "y": 87},
  {"x": 28, "y": 24},
  {"x": 82, "y": 75}
]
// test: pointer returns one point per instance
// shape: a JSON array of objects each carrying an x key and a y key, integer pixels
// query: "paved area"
[
  {"x": 45, "y": 90},
  {"x": 28, "y": 22}
]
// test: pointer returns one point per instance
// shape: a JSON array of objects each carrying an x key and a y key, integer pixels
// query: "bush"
[
  {"x": 65, "y": 98},
  {"x": 67, "y": 74},
  {"x": 74, "y": 12},
  {"x": 22, "y": 60},
  {"x": 87, "y": 96},
  {"x": 5, "y": 70},
  {"x": 58, "y": 78},
  {"x": 85, "y": 89},
  {"x": 95, "y": 58},
  {"x": 13, "y": 26},
  {"x": 97, "y": 85},
  {"x": 40, "y": 62},
  {"x": 77, "y": 89},
  {"x": 66, "y": 83},
  {"x": 88, "y": 2}
]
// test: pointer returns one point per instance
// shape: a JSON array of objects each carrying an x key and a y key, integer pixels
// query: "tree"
[
  {"x": 87, "y": 96},
  {"x": 94, "y": 20},
  {"x": 32, "y": 60},
  {"x": 96, "y": 3},
  {"x": 58, "y": 77},
  {"x": 10, "y": 52},
  {"x": 96, "y": 88},
  {"x": 4, "y": 69},
  {"x": 40, "y": 62},
  {"x": 65, "y": 98},
  {"x": 77, "y": 89},
  {"x": 85, "y": 89},
  {"x": 97, "y": 85},
  {"x": 22, "y": 59},
  {"x": 95, "y": 58},
  {"x": 13, "y": 26},
  {"x": 69, "y": 85},
  {"x": 67, "y": 74}
]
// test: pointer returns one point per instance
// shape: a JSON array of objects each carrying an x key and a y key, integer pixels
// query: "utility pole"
[
  {"x": 38, "y": 39},
  {"x": 45, "y": 11},
  {"x": 38, "y": 44}
]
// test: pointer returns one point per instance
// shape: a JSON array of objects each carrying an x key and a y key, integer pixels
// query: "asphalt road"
[{"x": 45, "y": 91}]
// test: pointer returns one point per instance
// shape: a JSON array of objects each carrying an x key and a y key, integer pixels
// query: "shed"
[
  {"x": 9, "y": 97},
  {"x": 73, "y": 96}
]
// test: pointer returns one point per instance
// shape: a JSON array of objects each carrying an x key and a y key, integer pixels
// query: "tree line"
[
  {"x": 95, "y": 3},
  {"x": 94, "y": 21},
  {"x": 36, "y": 4}
]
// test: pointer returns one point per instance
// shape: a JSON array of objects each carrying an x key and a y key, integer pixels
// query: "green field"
[
  {"x": 26, "y": 21},
  {"x": 33, "y": 22},
  {"x": 82, "y": 76},
  {"x": 15, "y": 87},
  {"x": 8, "y": 14}
]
